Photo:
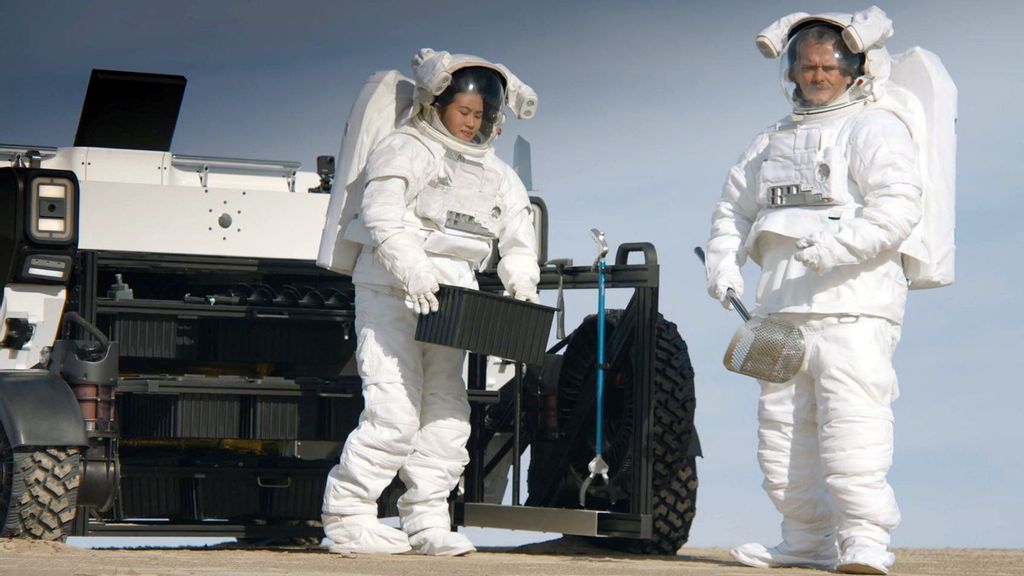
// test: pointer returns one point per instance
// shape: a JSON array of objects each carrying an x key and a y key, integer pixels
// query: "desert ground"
[{"x": 565, "y": 556}]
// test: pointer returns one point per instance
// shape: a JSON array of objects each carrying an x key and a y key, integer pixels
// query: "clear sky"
[{"x": 643, "y": 107}]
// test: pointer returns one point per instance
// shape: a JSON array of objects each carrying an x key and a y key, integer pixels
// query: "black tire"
[
  {"x": 38, "y": 490},
  {"x": 673, "y": 437}
]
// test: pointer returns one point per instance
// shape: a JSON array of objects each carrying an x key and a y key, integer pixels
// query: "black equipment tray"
[{"x": 487, "y": 323}]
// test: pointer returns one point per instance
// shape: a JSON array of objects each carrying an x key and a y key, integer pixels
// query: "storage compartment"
[
  {"x": 148, "y": 415},
  {"x": 181, "y": 416},
  {"x": 223, "y": 316},
  {"x": 154, "y": 337},
  {"x": 177, "y": 338},
  {"x": 209, "y": 416},
  {"x": 224, "y": 493},
  {"x": 274, "y": 418},
  {"x": 296, "y": 496},
  {"x": 156, "y": 496},
  {"x": 227, "y": 496},
  {"x": 488, "y": 324},
  {"x": 308, "y": 412}
]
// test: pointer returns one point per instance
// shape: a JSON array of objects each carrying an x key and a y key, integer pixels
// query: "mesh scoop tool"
[{"x": 767, "y": 348}]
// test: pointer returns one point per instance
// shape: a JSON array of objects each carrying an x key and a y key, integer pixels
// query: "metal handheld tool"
[
  {"x": 560, "y": 265},
  {"x": 597, "y": 466},
  {"x": 768, "y": 348}
]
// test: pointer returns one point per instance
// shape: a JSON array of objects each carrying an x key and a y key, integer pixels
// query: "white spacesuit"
[
  {"x": 436, "y": 200},
  {"x": 825, "y": 201}
]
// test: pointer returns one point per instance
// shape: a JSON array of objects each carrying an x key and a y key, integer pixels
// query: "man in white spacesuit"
[
  {"x": 436, "y": 200},
  {"x": 822, "y": 201}
]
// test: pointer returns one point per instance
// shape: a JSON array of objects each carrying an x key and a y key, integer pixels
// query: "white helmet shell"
[
  {"x": 432, "y": 71},
  {"x": 863, "y": 32}
]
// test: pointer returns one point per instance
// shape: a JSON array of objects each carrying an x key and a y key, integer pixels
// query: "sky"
[{"x": 644, "y": 106}]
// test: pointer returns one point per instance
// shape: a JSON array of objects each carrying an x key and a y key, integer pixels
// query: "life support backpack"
[
  {"x": 384, "y": 104},
  {"x": 922, "y": 94}
]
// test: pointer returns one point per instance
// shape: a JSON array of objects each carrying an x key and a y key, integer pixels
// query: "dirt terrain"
[{"x": 565, "y": 556}]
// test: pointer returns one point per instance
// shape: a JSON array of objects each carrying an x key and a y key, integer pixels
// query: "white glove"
[
  {"x": 718, "y": 289},
  {"x": 421, "y": 287},
  {"x": 519, "y": 273},
  {"x": 821, "y": 252},
  {"x": 402, "y": 254},
  {"x": 526, "y": 292}
]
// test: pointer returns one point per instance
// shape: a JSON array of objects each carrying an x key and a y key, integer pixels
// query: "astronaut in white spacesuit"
[
  {"x": 435, "y": 202},
  {"x": 822, "y": 201}
]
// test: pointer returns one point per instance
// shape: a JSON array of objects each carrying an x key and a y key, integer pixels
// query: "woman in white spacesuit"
[
  {"x": 436, "y": 200},
  {"x": 823, "y": 201}
]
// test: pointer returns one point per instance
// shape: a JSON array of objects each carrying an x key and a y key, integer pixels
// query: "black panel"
[
  {"x": 130, "y": 110},
  {"x": 12, "y": 221}
]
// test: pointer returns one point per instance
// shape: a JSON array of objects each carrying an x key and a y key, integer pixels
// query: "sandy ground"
[{"x": 566, "y": 556}]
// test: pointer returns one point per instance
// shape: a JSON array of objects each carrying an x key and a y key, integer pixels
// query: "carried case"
[{"x": 489, "y": 324}]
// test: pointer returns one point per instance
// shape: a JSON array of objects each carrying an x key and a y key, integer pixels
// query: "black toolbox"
[{"x": 487, "y": 323}]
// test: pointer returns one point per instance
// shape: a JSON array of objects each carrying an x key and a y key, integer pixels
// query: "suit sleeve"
[
  {"x": 884, "y": 166},
  {"x": 517, "y": 240},
  {"x": 734, "y": 215}
]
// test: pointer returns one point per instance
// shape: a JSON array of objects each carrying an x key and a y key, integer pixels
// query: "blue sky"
[{"x": 643, "y": 107}]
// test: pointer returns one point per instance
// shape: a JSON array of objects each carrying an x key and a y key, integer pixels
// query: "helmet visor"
[
  {"x": 817, "y": 68},
  {"x": 470, "y": 108}
]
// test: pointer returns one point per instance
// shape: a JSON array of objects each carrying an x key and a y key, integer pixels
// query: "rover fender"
[{"x": 37, "y": 408}]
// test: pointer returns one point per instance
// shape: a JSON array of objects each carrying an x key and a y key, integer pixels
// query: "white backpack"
[
  {"x": 921, "y": 92},
  {"x": 384, "y": 104}
]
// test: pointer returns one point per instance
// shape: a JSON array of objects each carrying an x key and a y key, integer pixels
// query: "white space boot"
[
  {"x": 758, "y": 556},
  {"x": 362, "y": 534},
  {"x": 866, "y": 560},
  {"x": 440, "y": 542}
]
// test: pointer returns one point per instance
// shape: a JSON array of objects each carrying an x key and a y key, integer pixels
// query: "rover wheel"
[
  {"x": 673, "y": 440},
  {"x": 38, "y": 490}
]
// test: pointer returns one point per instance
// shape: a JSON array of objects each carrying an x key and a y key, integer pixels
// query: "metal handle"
[
  {"x": 624, "y": 250},
  {"x": 602, "y": 246},
  {"x": 560, "y": 264},
  {"x": 740, "y": 308},
  {"x": 730, "y": 293}
]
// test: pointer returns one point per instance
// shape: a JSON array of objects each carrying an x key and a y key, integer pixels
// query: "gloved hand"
[
  {"x": 520, "y": 274},
  {"x": 527, "y": 292},
  {"x": 719, "y": 287},
  {"x": 421, "y": 287},
  {"x": 821, "y": 252},
  {"x": 402, "y": 254}
]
